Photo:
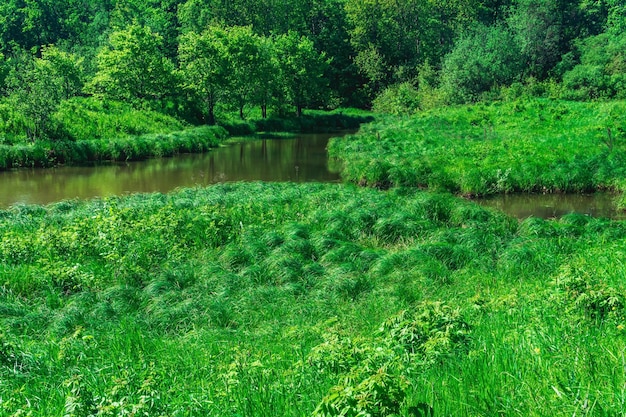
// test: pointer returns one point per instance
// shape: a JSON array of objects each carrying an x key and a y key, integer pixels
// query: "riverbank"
[
  {"x": 296, "y": 299},
  {"x": 129, "y": 148},
  {"x": 533, "y": 145},
  {"x": 88, "y": 131}
]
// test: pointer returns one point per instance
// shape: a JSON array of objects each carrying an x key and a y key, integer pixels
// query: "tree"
[
  {"x": 253, "y": 68},
  {"x": 243, "y": 50},
  {"x": 133, "y": 66},
  {"x": 616, "y": 16},
  {"x": 267, "y": 81},
  {"x": 67, "y": 67},
  {"x": 28, "y": 24},
  {"x": 36, "y": 90},
  {"x": 204, "y": 66},
  {"x": 601, "y": 72},
  {"x": 4, "y": 71},
  {"x": 159, "y": 15},
  {"x": 326, "y": 25},
  {"x": 538, "y": 28},
  {"x": 484, "y": 58},
  {"x": 302, "y": 70},
  {"x": 393, "y": 37}
]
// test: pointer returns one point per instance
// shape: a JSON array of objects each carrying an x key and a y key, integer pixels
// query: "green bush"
[
  {"x": 601, "y": 72},
  {"x": 398, "y": 99},
  {"x": 485, "y": 58}
]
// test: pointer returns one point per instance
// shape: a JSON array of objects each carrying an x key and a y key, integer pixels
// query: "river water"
[
  {"x": 554, "y": 205},
  {"x": 299, "y": 159}
]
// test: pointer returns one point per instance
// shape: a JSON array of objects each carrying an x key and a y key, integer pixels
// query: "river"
[{"x": 299, "y": 159}]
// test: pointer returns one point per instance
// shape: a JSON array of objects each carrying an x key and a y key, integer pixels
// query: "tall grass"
[
  {"x": 524, "y": 146},
  {"x": 129, "y": 148},
  {"x": 282, "y": 299}
]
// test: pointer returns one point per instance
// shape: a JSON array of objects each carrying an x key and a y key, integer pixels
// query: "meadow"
[
  {"x": 314, "y": 299},
  {"x": 524, "y": 145}
]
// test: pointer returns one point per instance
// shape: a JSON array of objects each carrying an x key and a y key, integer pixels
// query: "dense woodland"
[{"x": 189, "y": 59}]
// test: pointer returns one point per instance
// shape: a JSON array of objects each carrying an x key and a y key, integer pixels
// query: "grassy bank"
[
  {"x": 87, "y": 130},
  {"x": 128, "y": 148},
  {"x": 292, "y": 300},
  {"x": 523, "y": 146}
]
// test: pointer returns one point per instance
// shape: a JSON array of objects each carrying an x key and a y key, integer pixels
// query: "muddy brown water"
[
  {"x": 554, "y": 205},
  {"x": 299, "y": 159}
]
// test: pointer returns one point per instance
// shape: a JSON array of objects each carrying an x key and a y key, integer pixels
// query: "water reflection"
[
  {"x": 554, "y": 205},
  {"x": 300, "y": 159}
]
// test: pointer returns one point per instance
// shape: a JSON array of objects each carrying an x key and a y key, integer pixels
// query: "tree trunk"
[
  {"x": 211, "y": 114},
  {"x": 264, "y": 111}
]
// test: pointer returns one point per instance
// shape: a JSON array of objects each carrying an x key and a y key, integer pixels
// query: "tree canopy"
[{"x": 192, "y": 58}]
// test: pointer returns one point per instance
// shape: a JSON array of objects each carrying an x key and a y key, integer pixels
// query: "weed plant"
[
  {"x": 522, "y": 146},
  {"x": 281, "y": 299}
]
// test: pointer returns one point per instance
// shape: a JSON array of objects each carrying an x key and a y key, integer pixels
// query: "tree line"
[{"x": 189, "y": 57}]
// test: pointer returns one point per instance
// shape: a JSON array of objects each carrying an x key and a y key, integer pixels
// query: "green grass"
[
  {"x": 291, "y": 300},
  {"x": 524, "y": 146},
  {"x": 129, "y": 148},
  {"x": 87, "y": 119}
]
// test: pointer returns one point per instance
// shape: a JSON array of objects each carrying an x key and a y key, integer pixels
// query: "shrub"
[
  {"x": 486, "y": 57},
  {"x": 398, "y": 99}
]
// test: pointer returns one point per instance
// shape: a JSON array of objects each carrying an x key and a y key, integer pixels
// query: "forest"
[{"x": 191, "y": 59}]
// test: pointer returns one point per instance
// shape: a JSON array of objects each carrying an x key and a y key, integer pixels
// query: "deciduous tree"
[
  {"x": 133, "y": 67},
  {"x": 302, "y": 70},
  {"x": 204, "y": 66},
  {"x": 36, "y": 90}
]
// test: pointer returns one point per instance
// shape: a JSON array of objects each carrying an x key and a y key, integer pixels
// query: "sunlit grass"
[
  {"x": 220, "y": 301},
  {"x": 526, "y": 146}
]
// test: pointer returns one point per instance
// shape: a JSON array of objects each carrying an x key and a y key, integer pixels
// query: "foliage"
[
  {"x": 302, "y": 70},
  {"x": 204, "y": 66},
  {"x": 299, "y": 54},
  {"x": 538, "y": 28},
  {"x": 133, "y": 66},
  {"x": 397, "y": 99},
  {"x": 483, "y": 59},
  {"x": 36, "y": 87},
  {"x": 225, "y": 300},
  {"x": 602, "y": 69}
]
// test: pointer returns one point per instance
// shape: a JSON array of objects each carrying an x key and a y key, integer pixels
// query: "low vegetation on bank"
[
  {"x": 284, "y": 299},
  {"x": 91, "y": 131},
  {"x": 525, "y": 145}
]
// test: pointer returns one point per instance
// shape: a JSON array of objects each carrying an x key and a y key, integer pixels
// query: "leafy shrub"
[
  {"x": 595, "y": 300},
  {"x": 485, "y": 58},
  {"x": 398, "y": 99},
  {"x": 601, "y": 72},
  {"x": 430, "y": 330},
  {"x": 378, "y": 395}
]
